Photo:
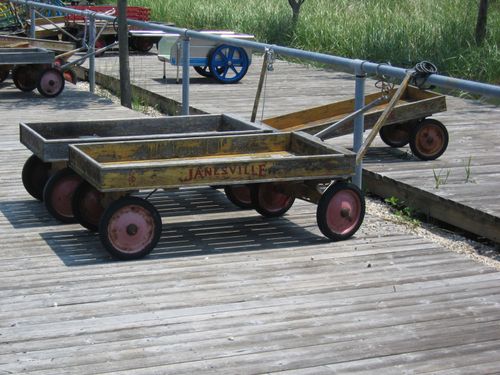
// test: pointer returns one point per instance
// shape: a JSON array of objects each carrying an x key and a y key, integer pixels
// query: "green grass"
[{"x": 401, "y": 32}]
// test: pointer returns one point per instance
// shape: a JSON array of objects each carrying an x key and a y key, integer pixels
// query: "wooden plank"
[
  {"x": 413, "y": 105},
  {"x": 274, "y": 355},
  {"x": 207, "y": 161},
  {"x": 446, "y": 210},
  {"x": 50, "y": 140},
  {"x": 227, "y": 291}
]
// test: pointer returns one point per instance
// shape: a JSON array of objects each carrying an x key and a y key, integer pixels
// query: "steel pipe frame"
[
  {"x": 359, "y": 67},
  {"x": 91, "y": 50},
  {"x": 32, "y": 22},
  {"x": 185, "y": 75}
]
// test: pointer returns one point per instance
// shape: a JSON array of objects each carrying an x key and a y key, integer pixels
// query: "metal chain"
[
  {"x": 383, "y": 83},
  {"x": 384, "y": 86}
]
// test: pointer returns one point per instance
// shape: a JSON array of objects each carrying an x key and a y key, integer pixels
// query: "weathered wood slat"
[
  {"x": 471, "y": 125},
  {"x": 279, "y": 338},
  {"x": 227, "y": 291}
]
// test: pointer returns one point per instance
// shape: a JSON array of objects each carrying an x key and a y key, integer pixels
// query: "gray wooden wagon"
[
  {"x": 45, "y": 174},
  {"x": 32, "y": 68}
]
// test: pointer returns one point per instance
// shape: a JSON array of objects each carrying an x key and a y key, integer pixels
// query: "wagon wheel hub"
[
  {"x": 429, "y": 139},
  {"x": 346, "y": 213},
  {"x": 132, "y": 229}
]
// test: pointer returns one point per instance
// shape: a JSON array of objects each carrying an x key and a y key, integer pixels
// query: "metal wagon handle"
[{"x": 383, "y": 117}]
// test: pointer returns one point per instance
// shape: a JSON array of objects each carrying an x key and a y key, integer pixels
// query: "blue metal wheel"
[{"x": 229, "y": 64}]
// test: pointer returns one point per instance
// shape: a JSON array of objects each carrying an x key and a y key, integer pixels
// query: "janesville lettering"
[{"x": 201, "y": 173}]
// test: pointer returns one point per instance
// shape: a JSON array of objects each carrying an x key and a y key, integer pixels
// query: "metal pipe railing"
[
  {"x": 359, "y": 68},
  {"x": 343, "y": 62},
  {"x": 91, "y": 51}
]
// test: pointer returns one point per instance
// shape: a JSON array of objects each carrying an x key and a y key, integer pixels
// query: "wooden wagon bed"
[{"x": 415, "y": 104}]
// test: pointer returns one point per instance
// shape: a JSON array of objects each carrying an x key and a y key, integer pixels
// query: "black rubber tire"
[
  {"x": 203, "y": 71},
  {"x": 141, "y": 44},
  {"x": 111, "y": 213},
  {"x": 53, "y": 87},
  {"x": 59, "y": 203},
  {"x": 429, "y": 139},
  {"x": 35, "y": 175},
  {"x": 4, "y": 72},
  {"x": 25, "y": 77},
  {"x": 234, "y": 194},
  {"x": 82, "y": 194},
  {"x": 325, "y": 211},
  {"x": 261, "y": 193},
  {"x": 395, "y": 135}
]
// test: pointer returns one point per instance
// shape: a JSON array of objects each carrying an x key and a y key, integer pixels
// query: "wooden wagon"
[
  {"x": 45, "y": 174},
  {"x": 222, "y": 61},
  {"x": 407, "y": 123},
  {"x": 32, "y": 68},
  {"x": 10, "y": 41},
  {"x": 278, "y": 168},
  {"x": 139, "y": 40}
]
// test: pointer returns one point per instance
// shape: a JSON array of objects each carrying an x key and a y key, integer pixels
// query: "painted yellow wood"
[
  {"x": 414, "y": 104},
  {"x": 208, "y": 158},
  {"x": 315, "y": 114},
  {"x": 209, "y": 161},
  {"x": 184, "y": 148},
  {"x": 220, "y": 173}
]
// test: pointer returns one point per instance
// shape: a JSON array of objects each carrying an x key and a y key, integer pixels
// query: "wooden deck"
[
  {"x": 226, "y": 291},
  {"x": 467, "y": 199}
]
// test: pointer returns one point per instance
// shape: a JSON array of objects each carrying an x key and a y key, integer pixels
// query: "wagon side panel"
[{"x": 223, "y": 172}]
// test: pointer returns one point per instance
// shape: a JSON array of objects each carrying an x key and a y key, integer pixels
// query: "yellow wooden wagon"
[
  {"x": 408, "y": 122},
  {"x": 277, "y": 168}
]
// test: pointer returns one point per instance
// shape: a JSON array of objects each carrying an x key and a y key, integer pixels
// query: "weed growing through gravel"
[{"x": 400, "y": 209}]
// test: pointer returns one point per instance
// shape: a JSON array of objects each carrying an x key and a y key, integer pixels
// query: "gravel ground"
[
  {"x": 479, "y": 251},
  {"x": 482, "y": 252},
  {"x": 147, "y": 110}
]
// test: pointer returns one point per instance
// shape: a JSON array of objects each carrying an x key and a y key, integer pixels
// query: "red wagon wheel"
[
  {"x": 239, "y": 195},
  {"x": 429, "y": 139},
  {"x": 35, "y": 175},
  {"x": 130, "y": 228},
  {"x": 70, "y": 76},
  {"x": 270, "y": 200},
  {"x": 341, "y": 210},
  {"x": 395, "y": 135},
  {"x": 100, "y": 43},
  {"x": 87, "y": 206},
  {"x": 58, "y": 194},
  {"x": 51, "y": 83},
  {"x": 26, "y": 77}
]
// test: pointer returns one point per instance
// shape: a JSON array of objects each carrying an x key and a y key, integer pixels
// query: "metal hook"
[{"x": 270, "y": 56}]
